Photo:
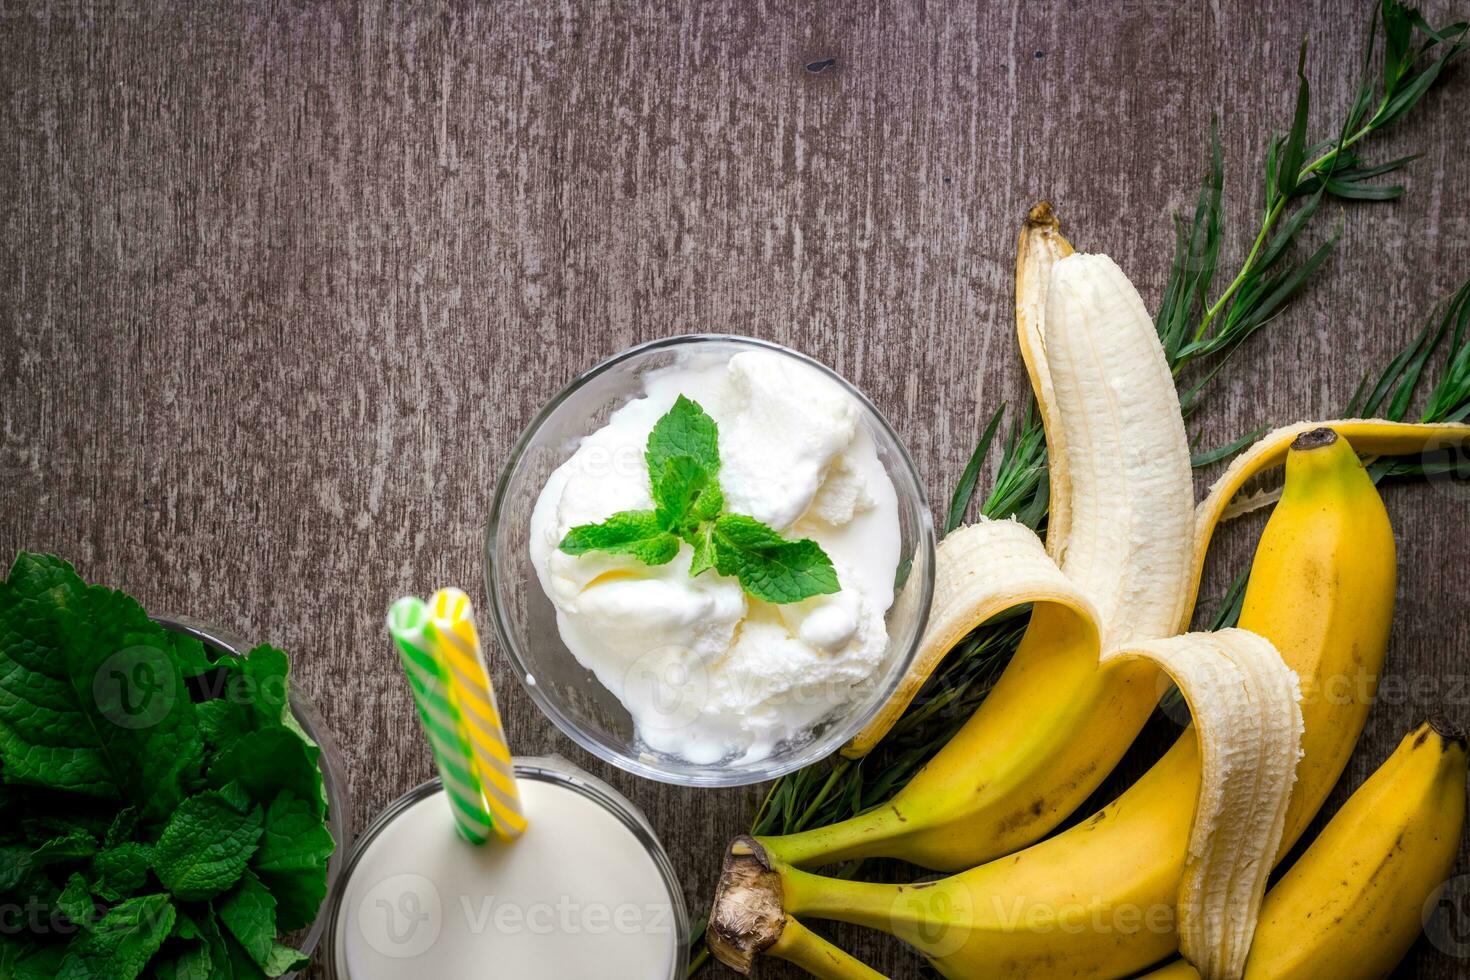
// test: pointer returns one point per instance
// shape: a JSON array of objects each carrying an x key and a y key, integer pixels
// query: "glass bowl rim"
[
  {"x": 329, "y": 761},
  {"x": 550, "y": 769},
  {"x": 711, "y": 776}
]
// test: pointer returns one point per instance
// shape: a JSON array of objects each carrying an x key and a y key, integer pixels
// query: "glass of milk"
[
  {"x": 587, "y": 891},
  {"x": 683, "y": 678}
]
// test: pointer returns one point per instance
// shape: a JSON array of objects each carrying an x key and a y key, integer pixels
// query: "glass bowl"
[
  {"x": 526, "y": 622},
  {"x": 334, "y": 772},
  {"x": 547, "y": 769}
]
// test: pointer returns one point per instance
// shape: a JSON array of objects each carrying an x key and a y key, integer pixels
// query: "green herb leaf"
[
  {"x": 101, "y": 741},
  {"x": 292, "y": 860},
  {"x": 685, "y": 494},
  {"x": 249, "y": 913},
  {"x": 685, "y": 430},
  {"x": 266, "y": 762},
  {"x": 683, "y": 459},
  {"x": 629, "y": 532},
  {"x": 228, "y": 959},
  {"x": 205, "y": 846},
  {"x": 703, "y": 543},
  {"x": 1296, "y": 141},
  {"x": 76, "y": 902},
  {"x": 121, "y": 943},
  {"x": 768, "y": 566},
  {"x": 90, "y": 700},
  {"x": 191, "y": 963},
  {"x": 964, "y": 490},
  {"x": 21, "y": 960},
  {"x": 120, "y": 871}
]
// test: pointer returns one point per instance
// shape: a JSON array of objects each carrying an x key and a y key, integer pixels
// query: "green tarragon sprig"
[{"x": 683, "y": 457}]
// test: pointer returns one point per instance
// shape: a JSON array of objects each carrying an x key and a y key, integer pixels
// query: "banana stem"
[
  {"x": 856, "y": 837},
  {"x": 861, "y": 903},
  {"x": 798, "y": 944}
]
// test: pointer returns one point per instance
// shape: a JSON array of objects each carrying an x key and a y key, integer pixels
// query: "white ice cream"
[{"x": 708, "y": 672}]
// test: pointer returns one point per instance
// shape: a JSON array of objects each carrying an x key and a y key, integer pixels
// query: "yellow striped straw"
[
  {"x": 452, "y": 627},
  {"x": 429, "y": 680}
]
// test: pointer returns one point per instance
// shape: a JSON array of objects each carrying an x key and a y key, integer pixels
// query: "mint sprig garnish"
[{"x": 683, "y": 458}]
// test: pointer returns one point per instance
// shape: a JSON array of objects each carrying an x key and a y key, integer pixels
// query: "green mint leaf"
[
  {"x": 73, "y": 845},
  {"x": 248, "y": 912},
  {"x": 24, "y": 960},
  {"x": 709, "y": 504},
  {"x": 75, "y": 901},
  {"x": 224, "y": 722},
  {"x": 284, "y": 959},
  {"x": 205, "y": 846},
  {"x": 192, "y": 963},
  {"x": 228, "y": 959},
  {"x": 15, "y": 865},
  {"x": 192, "y": 656},
  {"x": 122, "y": 827},
  {"x": 45, "y": 736},
  {"x": 268, "y": 761},
  {"x": 185, "y": 927},
  {"x": 19, "y": 862},
  {"x": 629, "y": 532},
  {"x": 685, "y": 494},
  {"x": 684, "y": 430},
  {"x": 704, "y": 550},
  {"x": 121, "y": 871},
  {"x": 91, "y": 700},
  {"x": 121, "y": 943},
  {"x": 292, "y": 860},
  {"x": 266, "y": 671},
  {"x": 768, "y": 566}
]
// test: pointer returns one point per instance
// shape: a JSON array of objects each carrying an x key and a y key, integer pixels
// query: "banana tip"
[
  {"x": 1447, "y": 730},
  {"x": 1318, "y": 438},
  {"x": 1041, "y": 215}
]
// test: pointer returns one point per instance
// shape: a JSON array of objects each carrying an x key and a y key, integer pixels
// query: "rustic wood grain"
[{"x": 281, "y": 283}]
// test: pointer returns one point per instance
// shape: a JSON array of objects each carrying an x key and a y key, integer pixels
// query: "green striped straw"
[{"x": 428, "y": 678}]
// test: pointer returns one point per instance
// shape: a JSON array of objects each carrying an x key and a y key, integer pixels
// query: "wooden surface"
[{"x": 280, "y": 284}]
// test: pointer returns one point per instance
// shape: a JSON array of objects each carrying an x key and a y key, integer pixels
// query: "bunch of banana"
[
  {"x": 1116, "y": 568},
  {"x": 1349, "y": 908},
  {"x": 1120, "y": 534},
  {"x": 1321, "y": 588},
  {"x": 1118, "y": 573},
  {"x": 1353, "y": 904}
]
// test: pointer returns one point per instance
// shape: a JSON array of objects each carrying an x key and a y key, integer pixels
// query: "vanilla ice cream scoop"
[{"x": 708, "y": 672}]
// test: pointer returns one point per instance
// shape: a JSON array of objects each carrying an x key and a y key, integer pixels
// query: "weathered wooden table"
[{"x": 280, "y": 283}]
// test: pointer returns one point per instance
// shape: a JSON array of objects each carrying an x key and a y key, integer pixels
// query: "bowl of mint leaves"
[{"x": 168, "y": 807}]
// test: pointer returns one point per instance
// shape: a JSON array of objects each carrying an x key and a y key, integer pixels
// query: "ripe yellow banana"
[
  {"x": 1121, "y": 547},
  {"x": 1123, "y": 568},
  {"x": 1352, "y": 904},
  {"x": 1099, "y": 900}
]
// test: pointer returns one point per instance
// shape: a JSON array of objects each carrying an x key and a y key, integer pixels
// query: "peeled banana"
[
  {"x": 1353, "y": 903},
  {"x": 1100, "y": 899},
  {"x": 1121, "y": 546},
  {"x": 1122, "y": 568}
]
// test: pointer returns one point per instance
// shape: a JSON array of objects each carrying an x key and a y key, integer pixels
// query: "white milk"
[{"x": 578, "y": 896}]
